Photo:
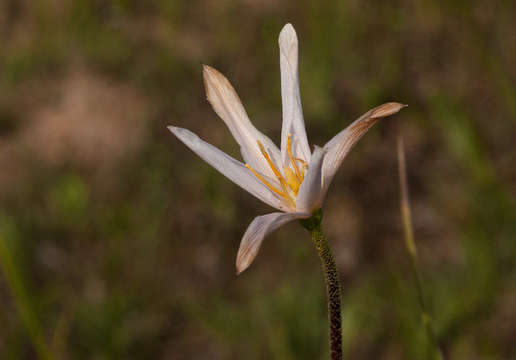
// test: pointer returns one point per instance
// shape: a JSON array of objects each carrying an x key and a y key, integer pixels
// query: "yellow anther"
[
  {"x": 291, "y": 157},
  {"x": 267, "y": 157},
  {"x": 304, "y": 166},
  {"x": 287, "y": 192},
  {"x": 262, "y": 179},
  {"x": 292, "y": 180},
  {"x": 272, "y": 166}
]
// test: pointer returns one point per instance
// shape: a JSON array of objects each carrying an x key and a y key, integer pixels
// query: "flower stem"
[
  {"x": 331, "y": 278},
  {"x": 16, "y": 284},
  {"x": 406, "y": 216}
]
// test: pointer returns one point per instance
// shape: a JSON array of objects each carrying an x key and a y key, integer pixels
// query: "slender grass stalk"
[
  {"x": 406, "y": 217},
  {"x": 21, "y": 298},
  {"x": 332, "y": 281}
]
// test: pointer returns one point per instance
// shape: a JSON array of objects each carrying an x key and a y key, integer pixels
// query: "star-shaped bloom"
[{"x": 291, "y": 179}]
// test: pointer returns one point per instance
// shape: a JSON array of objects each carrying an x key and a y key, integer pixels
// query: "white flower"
[{"x": 291, "y": 179}]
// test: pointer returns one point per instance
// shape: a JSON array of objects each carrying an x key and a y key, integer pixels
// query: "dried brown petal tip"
[
  {"x": 246, "y": 255},
  {"x": 386, "y": 109},
  {"x": 243, "y": 262},
  {"x": 207, "y": 67},
  {"x": 211, "y": 75}
]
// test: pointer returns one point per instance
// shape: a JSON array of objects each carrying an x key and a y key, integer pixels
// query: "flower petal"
[
  {"x": 226, "y": 103},
  {"x": 234, "y": 170},
  {"x": 293, "y": 122},
  {"x": 309, "y": 197},
  {"x": 343, "y": 142},
  {"x": 257, "y": 231}
]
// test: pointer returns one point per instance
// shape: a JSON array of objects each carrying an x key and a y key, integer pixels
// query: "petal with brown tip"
[
  {"x": 338, "y": 147},
  {"x": 259, "y": 228}
]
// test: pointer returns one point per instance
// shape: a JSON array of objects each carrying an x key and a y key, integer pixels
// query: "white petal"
[
  {"x": 226, "y": 103},
  {"x": 338, "y": 147},
  {"x": 257, "y": 231},
  {"x": 293, "y": 122},
  {"x": 309, "y": 197},
  {"x": 234, "y": 170}
]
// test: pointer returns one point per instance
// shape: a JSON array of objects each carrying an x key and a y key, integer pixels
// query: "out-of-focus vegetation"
[{"x": 117, "y": 242}]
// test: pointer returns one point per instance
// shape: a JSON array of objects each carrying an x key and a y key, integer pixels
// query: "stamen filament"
[
  {"x": 291, "y": 157},
  {"x": 262, "y": 179},
  {"x": 286, "y": 193},
  {"x": 267, "y": 157},
  {"x": 303, "y": 168},
  {"x": 292, "y": 180},
  {"x": 272, "y": 166}
]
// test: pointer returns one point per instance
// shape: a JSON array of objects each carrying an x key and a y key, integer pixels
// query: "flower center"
[{"x": 291, "y": 181}]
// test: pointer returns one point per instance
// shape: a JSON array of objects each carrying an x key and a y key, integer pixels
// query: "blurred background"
[{"x": 117, "y": 242}]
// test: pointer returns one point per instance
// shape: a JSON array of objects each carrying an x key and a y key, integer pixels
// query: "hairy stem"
[{"x": 331, "y": 279}]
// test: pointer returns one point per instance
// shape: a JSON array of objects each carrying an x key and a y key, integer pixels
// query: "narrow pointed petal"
[
  {"x": 234, "y": 170},
  {"x": 226, "y": 103},
  {"x": 257, "y": 231},
  {"x": 309, "y": 197},
  {"x": 293, "y": 122},
  {"x": 338, "y": 147}
]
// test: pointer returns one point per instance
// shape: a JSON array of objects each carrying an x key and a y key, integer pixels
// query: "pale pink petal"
[
  {"x": 226, "y": 103},
  {"x": 338, "y": 147},
  {"x": 309, "y": 197},
  {"x": 293, "y": 122},
  {"x": 257, "y": 231},
  {"x": 234, "y": 170}
]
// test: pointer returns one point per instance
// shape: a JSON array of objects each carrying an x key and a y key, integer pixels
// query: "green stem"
[
  {"x": 331, "y": 279},
  {"x": 14, "y": 280},
  {"x": 410, "y": 243},
  {"x": 426, "y": 318}
]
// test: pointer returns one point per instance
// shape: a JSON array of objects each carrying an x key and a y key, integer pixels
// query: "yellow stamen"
[
  {"x": 304, "y": 166},
  {"x": 262, "y": 179},
  {"x": 284, "y": 195},
  {"x": 272, "y": 166},
  {"x": 292, "y": 180},
  {"x": 291, "y": 157},
  {"x": 267, "y": 157},
  {"x": 288, "y": 194}
]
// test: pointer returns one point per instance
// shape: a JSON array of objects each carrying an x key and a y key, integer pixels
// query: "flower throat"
[{"x": 291, "y": 181}]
